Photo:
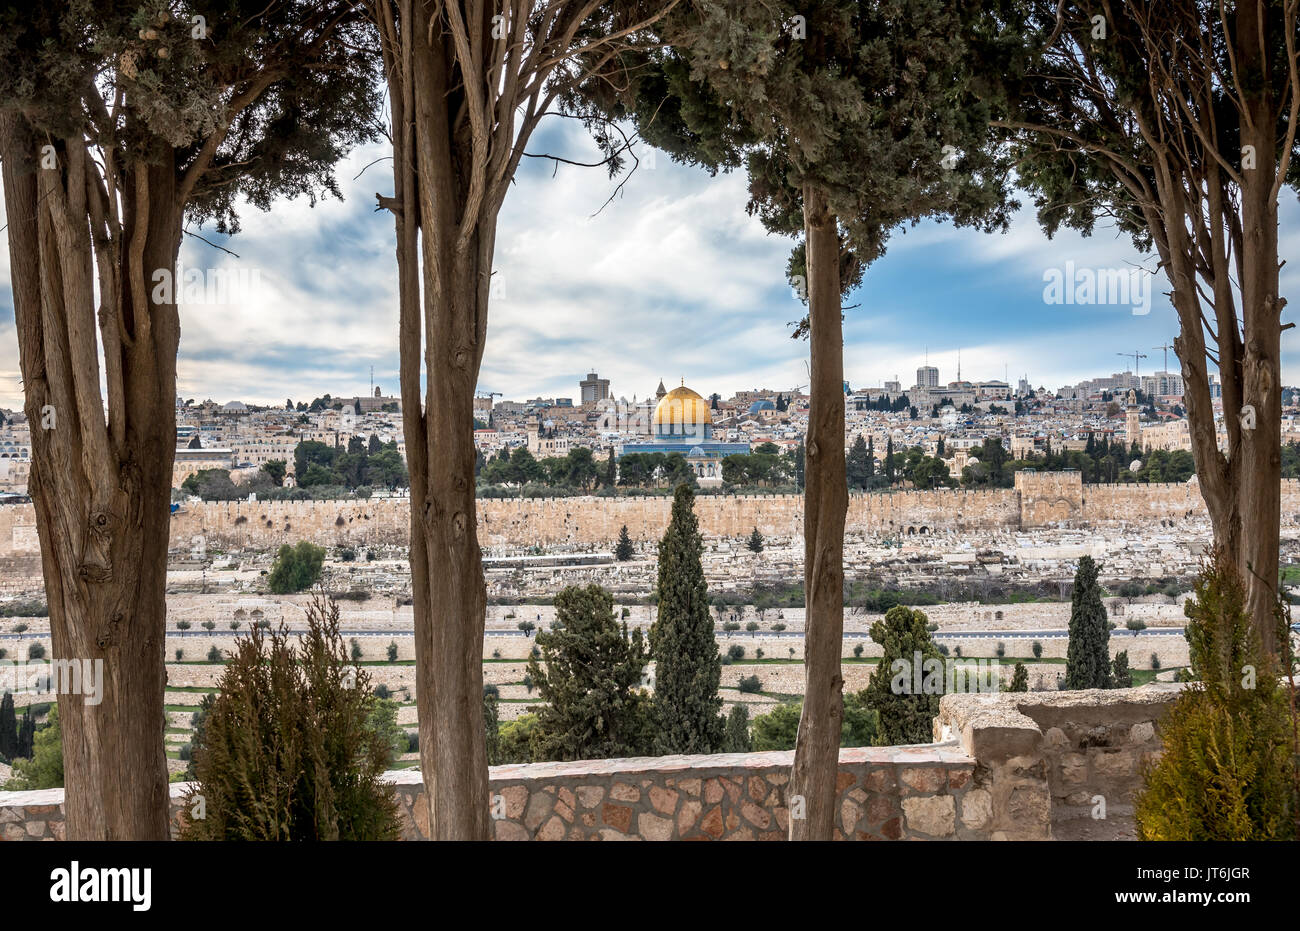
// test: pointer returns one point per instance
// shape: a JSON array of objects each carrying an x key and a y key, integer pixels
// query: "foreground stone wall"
[
  {"x": 1006, "y": 766},
  {"x": 1039, "y": 499}
]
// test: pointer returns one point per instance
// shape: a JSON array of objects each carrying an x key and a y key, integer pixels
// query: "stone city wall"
[
  {"x": 1039, "y": 499},
  {"x": 1005, "y": 766}
]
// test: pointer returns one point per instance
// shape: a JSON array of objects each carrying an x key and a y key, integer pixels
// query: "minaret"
[{"x": 1133, "y": 424}]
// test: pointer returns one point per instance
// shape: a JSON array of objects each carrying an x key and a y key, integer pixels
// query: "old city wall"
[{"x": 1039, "y": 499}]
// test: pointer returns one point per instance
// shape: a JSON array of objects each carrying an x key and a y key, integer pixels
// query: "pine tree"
[
  {"x": 1122, "y": 675},
  {"x": 587, "y": 674},
  {"x": 906, "y": 706},
  {"x": 688, "y": 669},
  {"x": 1019, "y": 679},
  {"x": 735, "y": 738},
  {"x": 1087, "y": 660},
  {"x": 889, "y": 461},
  {"x": 756, "y": 541},
  {"x": 623, "y": 552}
]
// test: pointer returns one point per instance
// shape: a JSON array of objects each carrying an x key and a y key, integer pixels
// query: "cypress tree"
[
  {"x": 906, "y": 707},
  {"x": 588, "y": 673},
  {"x": 756, "y": 541},
  {"x": 1087, "y": 660},
  {"x": 26, "y": 734},
  {"x": 8, "y": 727},
  {"x": 858, "y": 466},
  {"x": 889, "y": 460},
  {"x": 492, "y": 724},
  {"x": 1019, "y": 679},
  {"x": 623, "y": 551},
  {"x": 688, "y": 669},
  {"x": 735, "y": 738}
]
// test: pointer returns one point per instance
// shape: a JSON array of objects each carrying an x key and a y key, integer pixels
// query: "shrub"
[
  {"x": 731, "y": 625},
  {"x": 735, "y": 652},
  {"x": 209, "y": 625},
  {"x": 750, "y": 684},
  {"x": 527, "y": 627},
  {"x": 356, "y": 649},
  {"x": 1155, "y": 661},
  {"x": 778, "y": 627},
  {"x": 1037, "y": 649},
  {"x": 296, "y": 568},
  {"x": 1135, "y": 624},
  {"x": 751, "y": 626},
  {"x": 287, "y": 753},
  {"x": 857, "y": 650},
  {"x": 382, "y": 691},
  {"x": 234, "y": 625},
  {"x": 20, "y": 627},
  {"x": 1228, "y": 769},
  {"x": 180, "y": 654},
  {"x": 1019, "y": 679},
  {"x": 392, "y": 651},
  {"x": 735, "y": 736},
  {"x": 183, "y": 625},
  {"x": 1001, "y": 649},
  {"x": 906, "y": 709},
  {"x": 36, "y": 651},
  {"x": 214, "y": 655}
]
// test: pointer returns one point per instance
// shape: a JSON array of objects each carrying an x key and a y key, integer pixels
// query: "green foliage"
[
  {"x": 392, "y": 651},
  {"x": 296, "y": 568},
  {"x": 36, "y": 651},
  {"x": 735, "y": 735},
  {"x": 778, "y": 729},
  {"x": 1121, "y": 676},
  {"x": 907, "y": 708},
  {"x": 44, "y": 770},
  {"x": 359, "y": 466},
  {"x": 624, "y": 551},
  {"x": 517, "y": 739},
  {"x": 1019, "y": 679},
  {"x": 1087, "y": 660},
  {"x": 288, "y": 751},
  {"x": 588, "y": 675},
  {"x": 8, "y": 728},
  {"x": 750, "y": 684},
  {"x": 1228, "y": 767},
  {"x": 687, "y": 669},
  {"x": 755, "y": 542},
  {"x": 492, "y": 724},
  {"x": 1037, "y": 649},
  {"x": 735, "y": 652},
  {"x": 382, "y": 720}
]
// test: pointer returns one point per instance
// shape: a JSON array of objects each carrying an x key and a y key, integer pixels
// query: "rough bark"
[
  {"x": 101, "y": 489},
  {"x": 816, "y": 759}
]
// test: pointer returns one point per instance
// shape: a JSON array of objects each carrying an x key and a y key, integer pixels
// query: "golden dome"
[{"x": 684, "y": 409}]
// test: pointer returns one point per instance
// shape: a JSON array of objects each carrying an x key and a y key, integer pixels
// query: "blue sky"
[{"x": 670, "y": 280}]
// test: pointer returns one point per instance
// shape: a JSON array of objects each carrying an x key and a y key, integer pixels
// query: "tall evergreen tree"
[
  {"x": 735, "y": 738},
  {"x": 492, "y": 724},
  {"x": 587, "y": 672},
  {"x": 8, "y": 727},
  {"x": 902, "y": 691},
  {"x": 858, "y": 466},
  {"x": 756, "y": 541},
  {"x": 26, "y": 734},
  {"x": 624, "y": 551},
  {"x": 851, "y": 119},
  {"x": 688, "y": 668},
  {"x": 889, "y": 461},
  {"x": 1087, "y": 659},
  {"x": 1122, "y": 676},
  {"x": 1019, "y": 679}
]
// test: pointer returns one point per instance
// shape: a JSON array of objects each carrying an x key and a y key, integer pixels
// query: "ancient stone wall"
[{"x": 1038, "y": 499}]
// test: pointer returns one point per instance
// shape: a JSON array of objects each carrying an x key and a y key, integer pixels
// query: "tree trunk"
[
  {"x": 101, "y": 490},
  {"x": 1260, "y": 471},
  {"x": 816, "y": 755}
]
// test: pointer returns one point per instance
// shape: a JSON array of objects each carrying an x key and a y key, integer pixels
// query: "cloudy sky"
[{"x": 671, "y": 280}]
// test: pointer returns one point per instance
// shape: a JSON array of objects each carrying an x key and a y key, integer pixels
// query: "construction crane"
[
  {"x": 1166, "y": 350},
  {"x": 1135, "y": 356}
]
